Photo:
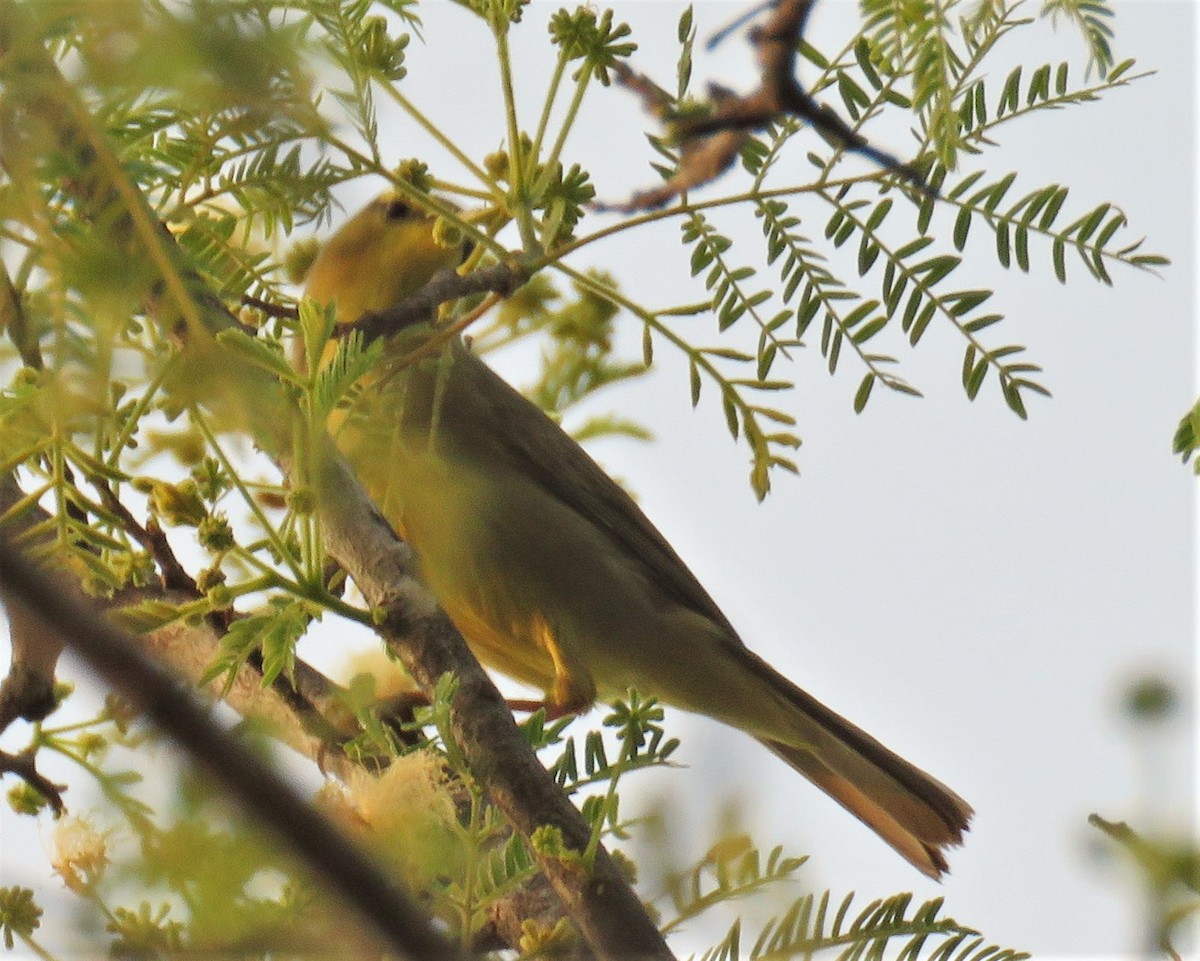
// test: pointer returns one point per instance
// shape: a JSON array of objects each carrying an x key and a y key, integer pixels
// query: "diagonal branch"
[
  {"x": 114, "y": 655},
  {"x": 598, "y": 897},
  {"x": 306, "y": 712}
]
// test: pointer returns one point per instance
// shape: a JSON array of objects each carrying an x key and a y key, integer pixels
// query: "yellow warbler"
[{"x": 553, "y": 574}]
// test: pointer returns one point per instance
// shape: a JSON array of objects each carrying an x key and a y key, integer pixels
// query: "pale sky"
[{"x": 974, "y": 590}]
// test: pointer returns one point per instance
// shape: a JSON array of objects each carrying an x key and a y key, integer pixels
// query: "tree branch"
[{"x": 599, "y": 898}]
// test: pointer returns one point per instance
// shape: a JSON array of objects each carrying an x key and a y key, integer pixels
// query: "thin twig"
[
  {"x": 445, "y": 286},
  {"x": 710, "y": 144},
  {"x": 278, "y": 311},
  {"x": 24, "y": 765},
  {"x": 152, "y": 538}
]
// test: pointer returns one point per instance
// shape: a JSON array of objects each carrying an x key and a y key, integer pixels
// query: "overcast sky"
[{"x": 974, "y": 590}]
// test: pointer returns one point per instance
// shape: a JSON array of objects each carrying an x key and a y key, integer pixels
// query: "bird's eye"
[{"x": 398, "y": 210}]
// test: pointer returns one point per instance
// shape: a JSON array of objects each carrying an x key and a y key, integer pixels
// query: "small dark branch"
[
  {"x": 174, "y": 576},
  {"x": 317, "y": 704},
  {"x": 262, "y": 792},
  {"x": 24, "y": 766},
  {"x": 655, "y": 100},
  {"x": 14, "y": 320},
  {"x": 737, "y": 23},
  {"x": 710, "y": 144},
  {"x": 503, "y": 279},
  {"x": 279, "y": 311},
  {"x": 28, "y": 690},
  {"x": 537, "y": 901},
  {"x": 24, "y": 692},
  {"x": 702, "y": 158},
  {"x": 153, "y": 538}
]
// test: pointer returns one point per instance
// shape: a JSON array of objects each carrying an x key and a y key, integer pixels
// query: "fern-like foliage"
[
  {"x": 815, "y": 926},
  {"x": 1092, "y": 18},
  {"x": 730, "y": 870},
  {"x": 922, "y": 57}
]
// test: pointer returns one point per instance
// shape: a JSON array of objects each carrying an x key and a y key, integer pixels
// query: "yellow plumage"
[{"x": 552, "y": 573}]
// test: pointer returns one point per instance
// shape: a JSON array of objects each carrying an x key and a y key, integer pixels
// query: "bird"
[{"x": 549, "y": 569}]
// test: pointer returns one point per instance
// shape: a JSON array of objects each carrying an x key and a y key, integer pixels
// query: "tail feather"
[
  {"x": 922, "y": 848},
  {"x": 913, "y": 812}
]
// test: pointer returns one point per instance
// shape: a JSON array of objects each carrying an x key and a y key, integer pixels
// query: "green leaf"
[
  {"x": 979, "y": 323},
  {"x": 278, "y": 643},
  {"x": 921, "y": 323},
  {"x": 913, "y": 247},
  {"x": 894, "y": 293},
  {"x": 731, "y": 414},
  {"x": 859, "y": 313},
  {"x": 1010, "y": 95},
  {"x": 868, "y": 253},
  {"x": 925, "y": 216},
  {"x": 975, "y": 379},
  {"x": 862, "y": 53},
  {"x": 910, "y": 310},
  {"x": 936, "y": 269},
  {"x": 766, "y": 359},
  {"x": 1060, "y": 259},
  {"x": 879, "y": 214},
  {"x": 868, "y": 331},
  {"x": 1116, "y": 223},
  {"x": 805, "y": 314},
  {"x": 1039, "y": 85},
  {"x": 1022, "y": 247},
  {"x": 1057, "y": 200},
  {"x": 684, "y": 29},
  {"x": 1091, "y": 222},
  {"x": 266, "y": 356},
  {"x": 702, "y": 256},
  {"x": 996, "y": 192},
  {"x": 813, "y": 55},
  {"x": 962, "y": 226},
  {"x": 1012, "y": 396},
  {"x": 835, "y": 350},
  {"x": 967, "y": 300},
  {"x": 727, "y": 353},
  {"x": 1003, "y": 250}
]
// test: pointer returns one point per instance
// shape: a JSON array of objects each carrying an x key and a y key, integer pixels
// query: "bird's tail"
[{"x": 915, "y": 813}]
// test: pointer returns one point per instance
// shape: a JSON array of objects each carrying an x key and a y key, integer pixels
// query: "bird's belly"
[{"x": 520, "y": 573}]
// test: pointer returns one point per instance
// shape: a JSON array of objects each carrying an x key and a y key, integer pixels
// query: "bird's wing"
[{"x": 538, "y": 448}]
